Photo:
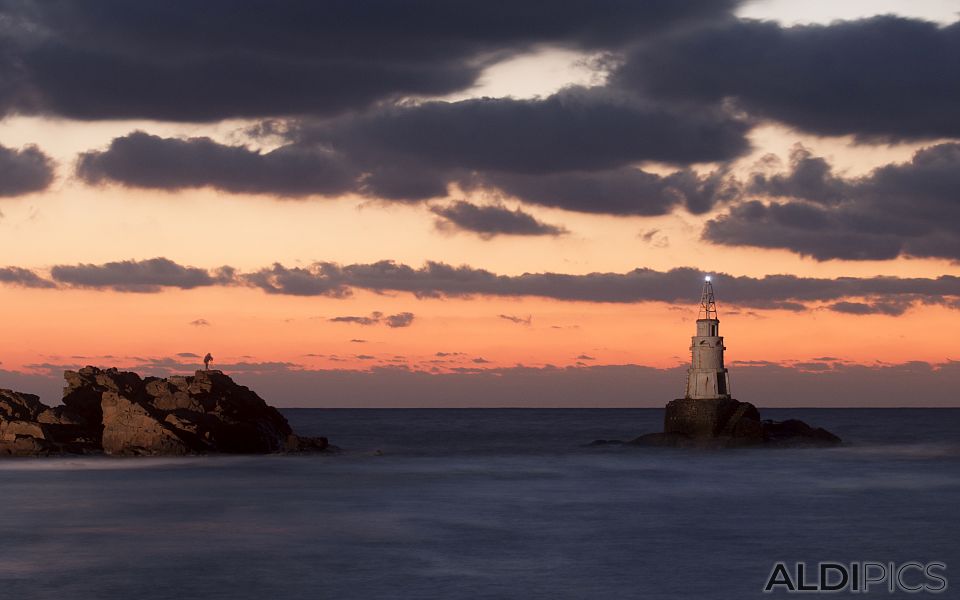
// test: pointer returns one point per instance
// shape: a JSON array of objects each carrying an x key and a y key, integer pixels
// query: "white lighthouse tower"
[{"x": 707, "y": 379}]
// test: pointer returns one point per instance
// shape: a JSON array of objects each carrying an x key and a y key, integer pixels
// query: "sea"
[{"x": 486, "y": 503}]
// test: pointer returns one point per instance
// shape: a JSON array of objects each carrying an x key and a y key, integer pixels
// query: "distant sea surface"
[{"x": 483, "y": 503}]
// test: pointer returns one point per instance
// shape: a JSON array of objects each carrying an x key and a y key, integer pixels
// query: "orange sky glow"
[{"x": 73, "y": 221}]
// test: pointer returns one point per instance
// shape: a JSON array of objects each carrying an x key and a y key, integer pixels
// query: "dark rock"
[
  {"x": 25, "y": 445},
  {"x": 24, "y": 407},
  {"x": 298, "y": 443},
  {"x": 129, "y": 427},
  {"x": 720, "y": 418},
  {"x": 21, "y": 432},
  {"x": 792, "y": 433},
  {"x": 81, "y": 395},
  {"x": 119, "y": 413},
  {"x": 728, "y": 423}
]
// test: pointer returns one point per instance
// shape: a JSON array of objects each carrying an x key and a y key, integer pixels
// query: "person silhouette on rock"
[{"x": 206, "y": 361}]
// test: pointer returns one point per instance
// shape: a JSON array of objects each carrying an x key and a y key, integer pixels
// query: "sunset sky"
[{"x": 454, "y": 203}]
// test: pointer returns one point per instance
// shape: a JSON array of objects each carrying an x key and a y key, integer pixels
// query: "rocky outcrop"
[
  {"x": 729, "y": 423},
  {"x": 797, "y": 433},
  {"x": 120, "y": 413},
  {"x": 29, "y": 428}
]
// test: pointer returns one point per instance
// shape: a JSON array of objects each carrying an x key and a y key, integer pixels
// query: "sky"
[{"x": 456, "y": 203}]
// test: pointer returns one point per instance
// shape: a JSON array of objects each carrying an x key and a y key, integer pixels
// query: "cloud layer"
[
  {"x": 150, "y": 275},
  {"x": 404, "y": 319},
  {"x": 147, "y": 161},
  {"x": 900, "y": 209},
  {"x": 571, "y": 150},
  {"x": 886, "y": 295},
  {"x": 693, "y": 82},
  {"x": 181, "y": 61},
  {"x": 885, "y": 77},
  {"x": 577, "y": 128},
  {"x": 346, "y": 92}
]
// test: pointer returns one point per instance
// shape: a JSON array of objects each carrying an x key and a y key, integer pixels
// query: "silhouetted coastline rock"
[
  {"x": 797, "y": 433},
  {"x": 30, "y": 428},
  {"x": 119, "y": 413},
  {"x": 729, "y": 423}
]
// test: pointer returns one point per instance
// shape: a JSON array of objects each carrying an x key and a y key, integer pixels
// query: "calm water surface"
[{"x": 483, "y": 504}]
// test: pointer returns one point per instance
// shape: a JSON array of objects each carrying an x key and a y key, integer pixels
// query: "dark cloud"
[
  {"x": 810, "y": 177},
  {"x": 785, "y": 292},
  {"x": 585, "y": 357},
  {"x": 575, "y": 129},
  {"x": 655, "y": 238},
  {"x": 404, "y": 319},
  {"x": 139, "y": 276},
  {"x": 570, "y": 150},
  {"x": 183, "y": 61},
  {"x": 373, "y": 319},
  {"x": 492, "y": 220},
  {"x": 517, "y": 320},
  {"x": 886, "y": 77},
  {"x": 24, "y": 278},
  {"x": 358, "y": 341},
  {"x": 147, "y": 161},
  {"x": 24, "y": 171},
  {"x": 199, "y": 323},
  {"x": 319, "y": 280},
  {"x": 907, "y": 209},
  {"x": 438, "y": 280},
  {"x": 187, "y": 355},
  {"x": 625, "y": 191},
  {"x": 890, "y": 308}
]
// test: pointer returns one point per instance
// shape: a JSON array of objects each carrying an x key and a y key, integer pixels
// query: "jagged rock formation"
[
  {"x": 728, "y": 423},
  {"x": 117, "y": 412},
  {"x": 28, "y": 427}
]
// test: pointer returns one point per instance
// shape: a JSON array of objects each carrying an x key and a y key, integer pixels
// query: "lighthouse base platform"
[
  {"x": 722, "y": 417},
  {"x": 729, "y": 423}
]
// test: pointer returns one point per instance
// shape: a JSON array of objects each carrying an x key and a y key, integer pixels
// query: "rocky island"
[
  {"x": 108, "y": 411},
  {"x": 708, "y": 416},
  {"x": 729, "y": 423}
]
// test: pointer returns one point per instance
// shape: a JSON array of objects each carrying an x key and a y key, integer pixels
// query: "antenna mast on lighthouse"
[{"x": 708, "y": 307}]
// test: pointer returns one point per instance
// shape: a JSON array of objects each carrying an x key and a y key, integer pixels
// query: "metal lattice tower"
[{"x": 708, "y": 306}]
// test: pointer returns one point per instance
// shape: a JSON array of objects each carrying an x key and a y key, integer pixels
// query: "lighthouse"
[
  {"x": 707, "y": 378},
  {"x": 707, "y": 416}
]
